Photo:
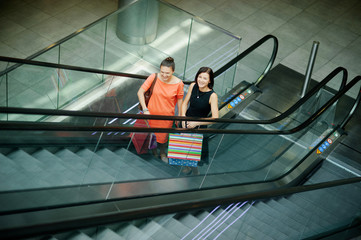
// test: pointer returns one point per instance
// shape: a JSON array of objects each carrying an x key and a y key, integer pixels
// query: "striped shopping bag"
[{"x": 185, "y": 149}]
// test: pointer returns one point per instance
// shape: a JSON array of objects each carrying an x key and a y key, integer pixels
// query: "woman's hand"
[
  {"x": 146, "y": 111},
  {"x": 193, "y": 124}
]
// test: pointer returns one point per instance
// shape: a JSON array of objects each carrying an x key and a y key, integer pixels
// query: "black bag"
[{"x": 148, "y": 93}]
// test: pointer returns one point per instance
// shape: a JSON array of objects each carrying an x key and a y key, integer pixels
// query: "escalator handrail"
[
  {"x": 13, "y": 125},
  {"x": 249, "y": 50},
  {"x": 56, "y": 112},
  {"x": 91, "y": 214},
  {"x": 353, "y": 110},
  {"x": 267, "y": 121},
  {"x": 68, "y": 67},
  {"x": 300, "y": 102}
]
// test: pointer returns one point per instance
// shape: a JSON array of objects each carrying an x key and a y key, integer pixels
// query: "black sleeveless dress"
[{"x": 199, "y": 107}]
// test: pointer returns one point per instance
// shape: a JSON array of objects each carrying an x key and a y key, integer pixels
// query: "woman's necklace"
[{"x": 200, "y": 93}]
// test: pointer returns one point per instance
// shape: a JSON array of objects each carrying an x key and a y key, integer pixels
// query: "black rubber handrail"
[
  {"x": 92, "y": 70},
  {"x": 12, "y": 125},
  {"x": 68, "y": 67},
  {"x": 141, "y": 207},
  {"x": 248, "y": 51}
]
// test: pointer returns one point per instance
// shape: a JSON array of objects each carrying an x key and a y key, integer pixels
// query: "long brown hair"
[{"x": 210, "y": 73}]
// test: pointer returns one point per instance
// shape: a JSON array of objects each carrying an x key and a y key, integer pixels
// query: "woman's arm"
[
  {"x": 214, "y": 105},
  {"x": 185, "y": 102},
  {"x": 141, "y": 98}
]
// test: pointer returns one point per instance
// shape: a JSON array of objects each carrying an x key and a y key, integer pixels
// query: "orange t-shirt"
[{"x": 162, "y": 102}]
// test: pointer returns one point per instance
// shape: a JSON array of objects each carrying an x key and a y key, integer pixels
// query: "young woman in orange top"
[{"x": 167, "y": 93}]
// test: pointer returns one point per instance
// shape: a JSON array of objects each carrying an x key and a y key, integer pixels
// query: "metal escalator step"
[
  {"x": 111, "y": 159},
  {"x": 189, "y": 220},
  {"x": 107, "y": 234},
  {"x": 163, "y": 218},
  {"x": 50, "y": 161},
  {"x": 8, "y": 166},
  {"x": 253, "y": 232},
  {"x": 328, "y": 205},
  {"x": 130, "y": 232},
  {"x": 349, "y": 196},
  {"x": 303, "y": 216},
  {"x": 314, "y": 209},
  {"x": 71, "y": 160},
  {"x": 275, "y": 220},
  {"x": 157, "y": 231},
  {"x": 178, "y": 228},
  {"x": 263, "y": 227},
  {"x": 11, "y": 177},
  {"x": 78, "y": 236},
  {"x": 25, "y": 161},
  {"x": 286, "y": 213},
  {"x": 95, "y": 161},
  {"x": 157, "y": 168},
  {"x": 298, "y": 214}
]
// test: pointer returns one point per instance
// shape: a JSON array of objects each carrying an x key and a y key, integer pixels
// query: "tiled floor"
[{"x": 27, "y": 26}]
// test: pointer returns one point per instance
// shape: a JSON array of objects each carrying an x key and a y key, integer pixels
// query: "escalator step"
[
  {"x": 25, "y": 161},
  {"x": 253, "y": 232},
  {"x": 130, "y": 232},
  {"x": 314, "y": 208},
  {"x": 157, "y": 231},
  {"x": 329, "y": 207},
  {"x": 79, "y": 236},
  {"x": 302, "y": 216},
  {"x": 263, "y": 227},
  {"x": 298, "y": 214},
  {"x": 8, "y": 166},
  {"x": 71, "y": 160},
  {"x": 107, "y": 234},
  {"x": 275, "y": 220},
  {"x": 156, "y": 168},
  {"x": 178, "y": 228},
  {"x": 49, "y": 160}
]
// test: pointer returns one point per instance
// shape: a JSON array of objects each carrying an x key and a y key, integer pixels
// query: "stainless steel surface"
[
  {"x": 311, "y": 63},
  {"x": 138, "y": 23}
]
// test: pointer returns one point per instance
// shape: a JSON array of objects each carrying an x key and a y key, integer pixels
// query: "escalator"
[
  {"x": 292, "y": 149},
  {"x": 85, "y": 157},
  {"x": 75, "y": 175}
]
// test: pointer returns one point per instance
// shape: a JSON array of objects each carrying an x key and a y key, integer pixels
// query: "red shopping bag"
[{"x": 141, "y": 140}]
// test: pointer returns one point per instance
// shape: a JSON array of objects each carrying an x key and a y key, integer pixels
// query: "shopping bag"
[
  {"x": 152, "y": 141},
  {"x": 185, "y": 149},
  {"x": 140, "y": 140}
]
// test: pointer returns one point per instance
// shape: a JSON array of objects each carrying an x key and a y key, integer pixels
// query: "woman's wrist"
[{"x": 145, "y": 110}]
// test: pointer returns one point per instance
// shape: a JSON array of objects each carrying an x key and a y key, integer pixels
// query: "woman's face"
[
  {"x": 166, "y": 73},
  {"x": 203, "y": 80}
]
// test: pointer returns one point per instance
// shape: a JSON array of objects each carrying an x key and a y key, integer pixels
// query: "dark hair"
[
  {"x": 168, "y": 62},
  {"x": 211, "y": 75}
]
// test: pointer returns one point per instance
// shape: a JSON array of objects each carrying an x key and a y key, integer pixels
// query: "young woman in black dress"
[{"x": 202, "y": 100}]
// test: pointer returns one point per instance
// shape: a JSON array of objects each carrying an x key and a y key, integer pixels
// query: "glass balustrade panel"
[
  {"x": 209, "y": 47},
  {"x": 85, "y": 49},
  {"x": 51, "y": 55}
]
